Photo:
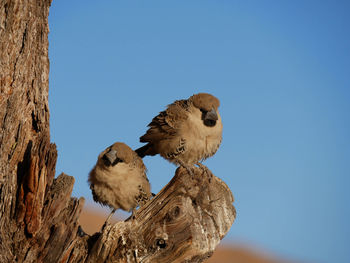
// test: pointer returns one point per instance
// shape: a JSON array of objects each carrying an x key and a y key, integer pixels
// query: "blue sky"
[{"x": 281, "y": 70}]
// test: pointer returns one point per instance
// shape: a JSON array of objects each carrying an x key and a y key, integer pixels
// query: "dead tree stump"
[
  {"x": 184, "y": 222},
  {"x": 38, "y": 216}
]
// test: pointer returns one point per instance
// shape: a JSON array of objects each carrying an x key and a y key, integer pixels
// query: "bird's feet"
[
  {"x": 205, "y": 169},
  {"x": 189, "y": 170},
  {"x": 133, "y": 214},
  {"x": 80, "y": 232},
  {"x": 202, "y": 166},
  {"x": 186, "y": 166},
  {"x": 152, "y": 196},
  {"x": 107, "y": 220}
]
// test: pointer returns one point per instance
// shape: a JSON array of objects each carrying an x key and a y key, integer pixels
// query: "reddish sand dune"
[
  {"x": 91, "y": 222},
  {"x": 240, "y": 255}
]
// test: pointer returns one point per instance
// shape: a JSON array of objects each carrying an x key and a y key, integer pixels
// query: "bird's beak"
[
  {"x": 110, "y": 157},
  {"x": 211, "y": 115},
  {"x": 210, "y": 118}
]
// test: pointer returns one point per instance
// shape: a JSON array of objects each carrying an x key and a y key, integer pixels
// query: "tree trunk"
[{"x": 38, "y": 216}]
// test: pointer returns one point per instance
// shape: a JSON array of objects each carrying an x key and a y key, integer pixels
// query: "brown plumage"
[
  {"x": 187, "y": 132},
  {"x": 118, "y": 179}
]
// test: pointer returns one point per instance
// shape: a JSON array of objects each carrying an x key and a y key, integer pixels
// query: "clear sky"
[{"x": 282, "y": 72}]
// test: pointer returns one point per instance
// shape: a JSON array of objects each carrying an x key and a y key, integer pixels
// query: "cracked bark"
[{"x": 38, "y": 216}]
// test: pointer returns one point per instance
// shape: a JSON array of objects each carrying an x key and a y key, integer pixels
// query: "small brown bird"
[
  {"x": 187, "y": 132},
  {"x": 119, "y": 180}
]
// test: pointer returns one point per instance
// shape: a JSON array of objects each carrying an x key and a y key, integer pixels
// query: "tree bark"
[{"x": 38, "y": 216}]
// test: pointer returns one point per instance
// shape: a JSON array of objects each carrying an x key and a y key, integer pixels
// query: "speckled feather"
[
  {"x": 167, "y": 122},
  {"x": 124, "y": 185},
  {"x": 179, "y": 132}
]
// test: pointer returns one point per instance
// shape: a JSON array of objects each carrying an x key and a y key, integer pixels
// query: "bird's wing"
[{"x": 167, "y": 122}]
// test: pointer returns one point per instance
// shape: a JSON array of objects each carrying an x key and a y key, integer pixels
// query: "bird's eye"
[
  {"x": 106, "y": 161},
  {"x": 117, "y": 160},
  {"x": 109, "y": 161},
  {"x": 204, "y": 113}
]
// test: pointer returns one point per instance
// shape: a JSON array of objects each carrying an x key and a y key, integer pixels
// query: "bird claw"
[
  {"x": 107, "y": 220},
  {"x": 187, "y": 167},
  {"x": 133, "y": 214},
  {"x": 104, "y": 226},
  {"x": 80, "y": 232},
  {"x": 189, "y": 170},
  {"x": 205, "y": 169},
  {"x": 152, "y": 196}
]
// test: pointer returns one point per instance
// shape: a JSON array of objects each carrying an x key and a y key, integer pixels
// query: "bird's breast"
[{"x": 201, "y": 141}]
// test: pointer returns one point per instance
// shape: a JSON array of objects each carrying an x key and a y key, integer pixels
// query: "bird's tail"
[{"x": 142, "y": 151}]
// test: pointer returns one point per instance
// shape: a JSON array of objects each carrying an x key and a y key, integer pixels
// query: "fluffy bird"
[
  {"x": 119, "y": 180},
  {"x": 187, "y": 132}
]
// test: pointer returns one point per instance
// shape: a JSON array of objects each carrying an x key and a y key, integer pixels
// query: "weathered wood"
[
  {"x": 184, "y": 222},
  {"x": 38, "y": 216}
]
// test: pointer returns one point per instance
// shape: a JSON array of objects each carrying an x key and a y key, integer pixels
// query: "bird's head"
[
  {"x": 117, "y": 153},
  {"x": 208, "y": 105}
]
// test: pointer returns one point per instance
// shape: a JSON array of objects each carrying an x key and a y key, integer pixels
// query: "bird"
[
  {"x": 119, "y": 180},
  {"x": 186, "y": 133}
]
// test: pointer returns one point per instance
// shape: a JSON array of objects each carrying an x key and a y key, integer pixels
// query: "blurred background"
[{"x": 281, "y": 70}]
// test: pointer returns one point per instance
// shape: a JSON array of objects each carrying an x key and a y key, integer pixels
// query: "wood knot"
[
  {"x": 161, "y": 243},
  {"x": 174, "y": 213}
]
